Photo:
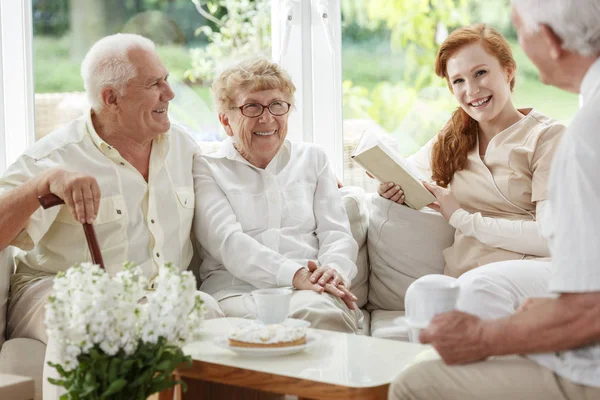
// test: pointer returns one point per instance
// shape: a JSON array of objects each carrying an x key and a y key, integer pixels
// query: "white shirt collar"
[
  {"x": 590, "y": 86},
  {"x": 160, "y": 142},
  {"x": 228, "y": 150}
]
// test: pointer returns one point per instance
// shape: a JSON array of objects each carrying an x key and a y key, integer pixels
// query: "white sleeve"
[
  {"x": 420, "y": 162},
  {"x": 337, "y": 247},
  {"x": 24, "y": 169},
  {"x": 575, "y": 195},
  {"x": 524, "y": 237},
  {"x": 217, "y": 229}
]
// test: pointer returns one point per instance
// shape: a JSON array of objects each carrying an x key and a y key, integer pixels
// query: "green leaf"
[
  {"x": 58, "y": 382},
  {"x": 114, "y": 387},
  {"x": 126, "y": 366},
  {"x": 166, "y": 365},
  {"x": 113, "y": 369}
]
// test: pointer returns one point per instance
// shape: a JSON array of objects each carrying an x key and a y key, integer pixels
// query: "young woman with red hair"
[{"x": 490, "y": 162}]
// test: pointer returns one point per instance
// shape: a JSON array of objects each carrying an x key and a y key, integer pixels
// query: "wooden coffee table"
[{"x": 336, "y": 366}]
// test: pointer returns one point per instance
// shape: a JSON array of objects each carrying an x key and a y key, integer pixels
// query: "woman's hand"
[
  {"x": 391, "y": 192},
  {"x": 446, "y": 202},
  {"x": 332, "y": 283}
]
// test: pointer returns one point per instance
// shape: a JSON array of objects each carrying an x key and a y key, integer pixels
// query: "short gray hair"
[
  {"x": 107, "y": 64},
  {"x": 576, "y": 22}
]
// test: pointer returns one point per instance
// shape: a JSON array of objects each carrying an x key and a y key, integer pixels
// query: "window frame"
[
  {"x": 316, "y": 68},
  {"x": 17, "y": 118}
]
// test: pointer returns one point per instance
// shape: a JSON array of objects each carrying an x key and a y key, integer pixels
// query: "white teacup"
[
  {"x": 271, "y": 306},
  {"x": 426, "y": 297}
]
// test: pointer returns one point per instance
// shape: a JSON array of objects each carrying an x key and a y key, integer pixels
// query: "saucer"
[
  {"x": 291, "y": 322},
  {"x": 404, "y": 321}
]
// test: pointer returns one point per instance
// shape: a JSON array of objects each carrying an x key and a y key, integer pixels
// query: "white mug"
[
  {"x": 271, "y": 306},
  {"x": 430, "y": 295},
  {"x": 425, "y": 298}
]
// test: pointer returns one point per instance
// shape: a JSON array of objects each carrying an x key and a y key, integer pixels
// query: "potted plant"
[{"x": 116, "y": 339}]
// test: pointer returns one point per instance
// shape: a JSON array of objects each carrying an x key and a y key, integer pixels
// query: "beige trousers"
[
  {"x": 26, "y": 320},
  {"x": 501, "y": 378},
  {"x": 323, "y": 311}
]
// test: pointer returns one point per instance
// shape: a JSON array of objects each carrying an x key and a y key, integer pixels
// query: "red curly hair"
[{"x": 459, "y": 135}]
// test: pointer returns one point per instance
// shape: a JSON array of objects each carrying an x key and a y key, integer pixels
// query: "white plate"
[
  {"x": 404, "y": 321},
  {"x": 223, "y": 342},
  {"x": 292, "y": 322}
]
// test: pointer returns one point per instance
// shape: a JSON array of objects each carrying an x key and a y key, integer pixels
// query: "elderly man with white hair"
[
  {"x": 559, "y": 336},
  {"x": 122, "y": 166}
]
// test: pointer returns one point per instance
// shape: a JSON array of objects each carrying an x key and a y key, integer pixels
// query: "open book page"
[
  {"x": 399, "y": 160},
  {"x": 367, "y": 140},
  {"x": 386, "y": 165}
]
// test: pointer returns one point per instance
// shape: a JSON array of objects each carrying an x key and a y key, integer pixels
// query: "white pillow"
[
  {"x": 358, "y": 214},
  {"x": 404, "y": 244}
]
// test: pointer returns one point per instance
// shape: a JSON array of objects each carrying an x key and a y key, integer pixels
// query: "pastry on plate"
[{"x": 265, "y": 336}]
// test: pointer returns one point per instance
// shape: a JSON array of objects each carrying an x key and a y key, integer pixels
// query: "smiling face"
[
  {"x": 144, "y": 104},
  {"x": 257, "y": 139},
  {"x": 479, "y": 83}
]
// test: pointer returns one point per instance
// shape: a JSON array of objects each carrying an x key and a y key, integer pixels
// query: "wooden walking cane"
[{"x": 51, "y": 200}]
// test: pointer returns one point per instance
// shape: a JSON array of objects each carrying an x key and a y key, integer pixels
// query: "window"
[
  {"x": 358, "y": 65},
  {"x": 389, "y": 88},
  {"x": 16, "y": 107}
]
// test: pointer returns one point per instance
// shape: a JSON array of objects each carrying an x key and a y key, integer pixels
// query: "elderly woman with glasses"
[{"x": 268, "y": 212}]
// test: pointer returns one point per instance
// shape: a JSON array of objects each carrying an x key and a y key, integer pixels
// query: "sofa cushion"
[
  {"x": 24, "y": 357},
  {"x": 382, "y": 325},
  {"x": 6, "y": 270},
  {"x": 365, "y": 327},
  {"x": 355, "y": 203},
  {"x": 16, "y": 387},
  {"x": 404, "y": 244}
]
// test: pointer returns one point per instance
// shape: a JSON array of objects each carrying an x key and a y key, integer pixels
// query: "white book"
[{"x": 386, "y": 165}]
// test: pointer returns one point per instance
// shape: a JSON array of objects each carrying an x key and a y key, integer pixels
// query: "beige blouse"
[{"x": 499, "y": 192}]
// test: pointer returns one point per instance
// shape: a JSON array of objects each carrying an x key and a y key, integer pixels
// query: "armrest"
[
  {"x": 7, "y": 267},
  {"x": 16, "y": 387}
]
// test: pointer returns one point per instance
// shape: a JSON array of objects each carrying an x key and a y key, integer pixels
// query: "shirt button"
[
  {"x": 157, "y": 254},
  {"x": 122, "y": 163},
  {"x": 152, "y": 221}
]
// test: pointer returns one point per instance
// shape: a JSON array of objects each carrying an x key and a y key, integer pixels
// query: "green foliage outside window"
[{"x": 244, "y": 30}]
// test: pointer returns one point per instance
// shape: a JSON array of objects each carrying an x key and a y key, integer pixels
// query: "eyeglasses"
[{"x": 255, "y": 110}]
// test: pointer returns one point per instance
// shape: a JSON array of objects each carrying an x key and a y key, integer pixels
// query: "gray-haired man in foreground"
[{"x": 561, "y": 336}]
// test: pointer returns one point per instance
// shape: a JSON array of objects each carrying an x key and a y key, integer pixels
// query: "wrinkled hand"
[
  {"x": 81, "y": 193},
  {"x": 302, "y": 280},
  {"x": 533, "y": 303},
  {"x": 446, "y": 203},
  {"x": 331, "y": 279},
  {"x": 457, "y": 337}
]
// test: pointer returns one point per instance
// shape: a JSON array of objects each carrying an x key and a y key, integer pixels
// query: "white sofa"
[
  {"x": 397, "y": 245},
  {"x": 24, "y": 357}
]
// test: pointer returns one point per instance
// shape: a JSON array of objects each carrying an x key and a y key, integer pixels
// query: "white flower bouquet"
[{"x": 112, "y": 344}]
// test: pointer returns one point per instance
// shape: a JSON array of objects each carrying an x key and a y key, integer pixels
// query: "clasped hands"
[{"x": 324, "y": 279}]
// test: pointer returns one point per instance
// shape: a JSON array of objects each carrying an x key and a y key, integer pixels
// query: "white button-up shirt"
[
  {"x": 148, "y": 223},
  {"x": 575, "y": 228},
  {"x": 258, "y": 227}
]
